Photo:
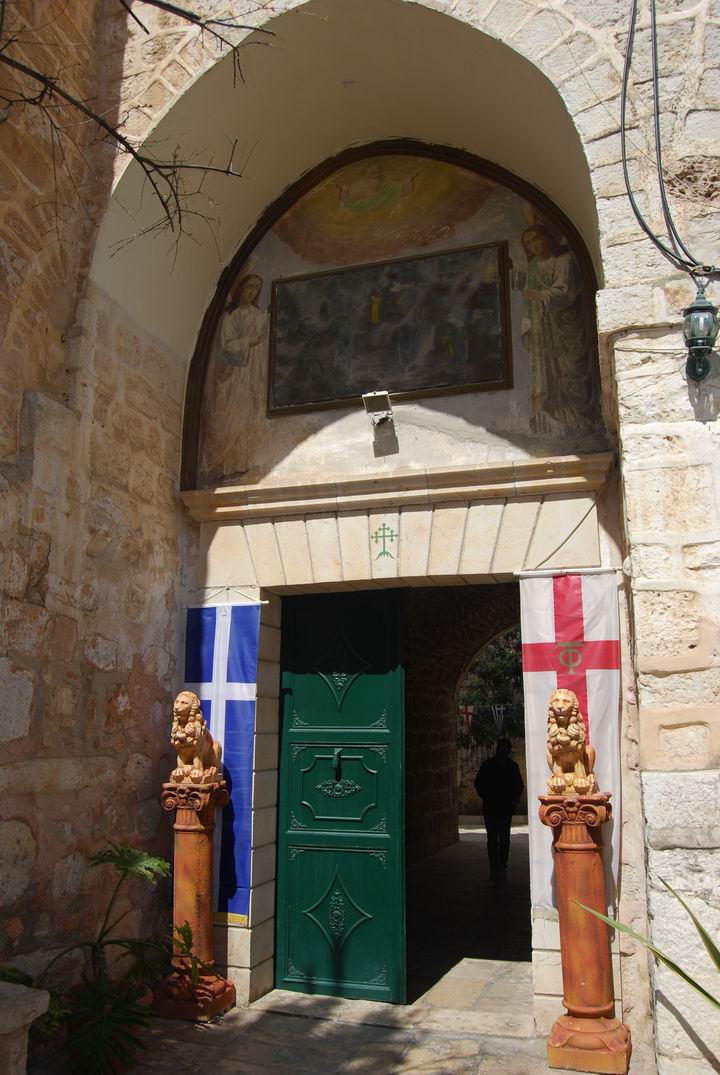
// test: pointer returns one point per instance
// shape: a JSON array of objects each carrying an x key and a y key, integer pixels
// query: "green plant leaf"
[
  {"x": 710, "y": 946},
  {"x": 104, "y": 1028},
  {"x": 150, "y": 960},
  {"x": 195, "y": 966},
  {"x": 184, "y": 938},
  {"x": 132, "y": 860},
  {"x": 669, "y": 963}
]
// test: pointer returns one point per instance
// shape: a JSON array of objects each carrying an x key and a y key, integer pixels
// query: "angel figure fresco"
[
  {"x": 234, "y": 377},
  {"x": 563, "y": 379}
]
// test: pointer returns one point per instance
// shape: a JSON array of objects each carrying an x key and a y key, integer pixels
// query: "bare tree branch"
[{"x": 166, "y": 177}]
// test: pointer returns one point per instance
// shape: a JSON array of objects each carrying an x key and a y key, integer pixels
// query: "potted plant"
[{"x": 105, "y": 1015}]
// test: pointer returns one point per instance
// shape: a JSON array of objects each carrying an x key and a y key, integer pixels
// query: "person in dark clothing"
[{"x": 499, "y": 785}]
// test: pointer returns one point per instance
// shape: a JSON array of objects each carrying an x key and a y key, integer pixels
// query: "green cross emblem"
[
  {"x": 570, "y": 655},
  {"x": 384, "y": 533}
]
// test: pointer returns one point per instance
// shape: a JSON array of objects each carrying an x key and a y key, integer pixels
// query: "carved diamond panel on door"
[{"x": 340, "y": 843}]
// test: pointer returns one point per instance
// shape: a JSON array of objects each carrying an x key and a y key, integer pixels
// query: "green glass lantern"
[{"x": 700, "y": 329}]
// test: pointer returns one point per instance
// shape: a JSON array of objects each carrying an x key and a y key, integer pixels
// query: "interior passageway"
[{"x": 467, "y": 940}]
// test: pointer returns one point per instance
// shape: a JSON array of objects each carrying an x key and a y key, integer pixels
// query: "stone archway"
[
  {"x": 492, "y": 678},
  {"x": 275, "y": 538}
]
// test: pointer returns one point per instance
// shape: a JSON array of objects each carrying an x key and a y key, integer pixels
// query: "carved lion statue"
[
  {"x": 198, "y": 754},
  {"x": 570, "y": 757}
]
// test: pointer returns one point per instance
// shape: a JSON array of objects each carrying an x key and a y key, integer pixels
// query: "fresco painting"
[
  {"x": 404, "y": 325},
  {"x": 231, "y": 384},
  {"x": 380, "y": 208},
  {"x": 564, "y": 384},
  {"x": 413, "y": 275}
]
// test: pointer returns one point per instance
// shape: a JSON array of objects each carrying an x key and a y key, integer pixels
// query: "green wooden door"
[{"x": 341, "y": 848}]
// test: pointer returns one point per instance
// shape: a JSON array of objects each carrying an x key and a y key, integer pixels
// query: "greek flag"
[{"x": 221, "y": 652}]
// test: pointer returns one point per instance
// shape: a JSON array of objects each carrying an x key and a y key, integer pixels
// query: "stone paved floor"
[
  {"x": 454, "y": 912},
  {"x": 288, "y": 1033},
  {"x": 469, "y": 982}
]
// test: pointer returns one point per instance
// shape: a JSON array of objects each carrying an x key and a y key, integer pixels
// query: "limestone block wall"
[
  {"x": 89, "y": 527},
  {"x": 45, "y": 234},
  {"x": 93, "y": 544},
  {"x": 670, "y": 461},
  {"x": 90, "y": 630}
]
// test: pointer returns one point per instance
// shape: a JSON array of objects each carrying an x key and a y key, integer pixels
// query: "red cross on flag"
[
  {"x": 571, "y": 638},
  {"x": 466, "y": 712}
]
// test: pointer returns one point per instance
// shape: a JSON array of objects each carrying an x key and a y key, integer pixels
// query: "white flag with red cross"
[
  {"x": 570, "y": 630},
  {"x": 466, "y": 712}
]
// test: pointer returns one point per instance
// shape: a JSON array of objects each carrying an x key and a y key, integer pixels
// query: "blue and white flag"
[{"x": 221, "y": 654}]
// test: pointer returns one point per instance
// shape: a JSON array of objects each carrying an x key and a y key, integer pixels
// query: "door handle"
[{"x": 337, "y": 761}]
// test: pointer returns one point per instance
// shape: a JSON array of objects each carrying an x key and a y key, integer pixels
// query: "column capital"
[
  {"x": 196, "y": 797},
  {"x": 589, "y": 810}
]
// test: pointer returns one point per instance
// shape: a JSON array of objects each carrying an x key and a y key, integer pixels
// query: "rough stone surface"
[
  {"x": 96, "y": 559},
  {"x": 19, "y": 1006},
  {"x": 682, "y": 810},
  {"x": 684, "y": 741},
  {"x": 19, "y": 854},
  {"x": 18, "y": 699},
  {"x": 667, "y": 622}
]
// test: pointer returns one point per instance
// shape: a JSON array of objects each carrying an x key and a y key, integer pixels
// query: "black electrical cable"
[
  {"x": 673, "y": 233},
  {"x": 685, "y": 260}
]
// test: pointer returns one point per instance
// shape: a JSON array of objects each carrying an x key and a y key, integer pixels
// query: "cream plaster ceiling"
[{"x": 337, "y": 73}]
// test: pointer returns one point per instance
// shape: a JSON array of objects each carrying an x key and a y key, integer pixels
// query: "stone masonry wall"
[
  {"x": 90, "y": 627},
  {"x": 92, "y": 537},
  {"x": 90, "y": 546},
  {"x": 444, "y": 629}
]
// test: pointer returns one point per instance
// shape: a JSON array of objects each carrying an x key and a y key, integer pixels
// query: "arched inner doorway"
[
  {"x": 479, "y": 926},
  {"x": 490, "y": 705}
]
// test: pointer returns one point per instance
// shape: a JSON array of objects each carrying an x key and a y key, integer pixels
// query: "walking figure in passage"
[{"x": 499, "y": 785}]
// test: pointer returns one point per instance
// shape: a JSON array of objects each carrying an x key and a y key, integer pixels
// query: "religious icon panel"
[{"x": 433, "y": 321}]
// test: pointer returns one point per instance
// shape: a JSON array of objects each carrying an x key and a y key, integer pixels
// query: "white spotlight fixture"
[{"x": 378, "y": 407}]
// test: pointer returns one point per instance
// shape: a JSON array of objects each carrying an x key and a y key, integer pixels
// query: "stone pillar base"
[
  {"x": 600, "y": 1045},
  {"x": 178, "y": 998}
]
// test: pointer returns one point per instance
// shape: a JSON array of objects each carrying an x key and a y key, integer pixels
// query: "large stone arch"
[
  {"x": 467, "y": 83},
  {"x": 566, "y": 143},
  {"x": 103, "y": 559}
]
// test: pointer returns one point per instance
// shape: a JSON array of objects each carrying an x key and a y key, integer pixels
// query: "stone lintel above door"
[{"x": 421, "y": 527}]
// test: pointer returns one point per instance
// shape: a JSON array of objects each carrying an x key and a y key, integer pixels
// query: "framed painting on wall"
[{"x": 430, "y": 324}]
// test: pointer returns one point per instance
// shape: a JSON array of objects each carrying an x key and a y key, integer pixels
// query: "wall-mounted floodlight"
[{"x": 378, "y": 407}]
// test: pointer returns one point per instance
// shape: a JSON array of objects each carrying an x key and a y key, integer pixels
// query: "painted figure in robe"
[
  {"x": 563, "y": 381},
  {"x": 243, "y": 329}
]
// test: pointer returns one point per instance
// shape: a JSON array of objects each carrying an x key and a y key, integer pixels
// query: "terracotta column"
[
  {"x": 177, "y": 997},
  {"x": 196, "y": 789},
  {"x": 588, "y": 1038}
]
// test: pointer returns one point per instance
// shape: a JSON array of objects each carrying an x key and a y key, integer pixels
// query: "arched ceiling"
[{"x": 337, "y": 73}]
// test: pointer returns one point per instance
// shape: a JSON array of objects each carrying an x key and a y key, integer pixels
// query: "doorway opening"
[
  {"x": 351, "y": 660},
  {"x": 468, "y": 928}
]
